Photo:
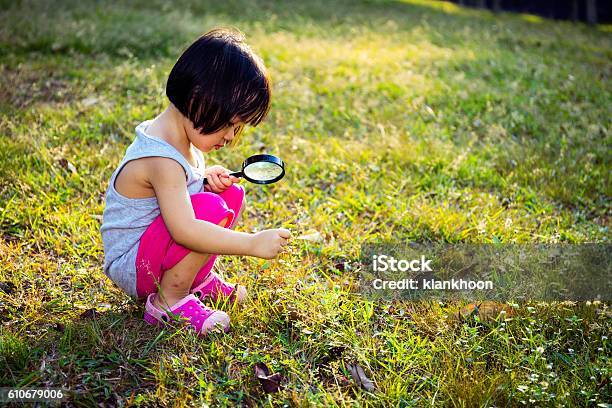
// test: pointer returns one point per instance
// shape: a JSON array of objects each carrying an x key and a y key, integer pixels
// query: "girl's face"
[{"x": 212, "y": 141}]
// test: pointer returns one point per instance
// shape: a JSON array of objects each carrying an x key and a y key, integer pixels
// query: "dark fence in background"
[{"x": 589, "y": 11}]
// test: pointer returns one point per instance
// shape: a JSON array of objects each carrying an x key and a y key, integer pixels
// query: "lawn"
[{"x": 398, "y": 120}]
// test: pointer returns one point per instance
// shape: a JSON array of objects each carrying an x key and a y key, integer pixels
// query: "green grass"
[{"x": 399, "y": 120}]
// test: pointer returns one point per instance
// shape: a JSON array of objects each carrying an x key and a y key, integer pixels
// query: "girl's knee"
[
  {"x": 211, "y": 207},
  {"x": 234, "y": 196},
  {"x": 235, "y": 189}
]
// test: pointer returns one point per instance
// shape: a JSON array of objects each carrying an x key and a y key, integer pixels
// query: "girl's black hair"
[{"x": 218, "y": 78}]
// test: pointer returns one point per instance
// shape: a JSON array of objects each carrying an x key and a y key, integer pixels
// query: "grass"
[{"x": 399, "y": 120}]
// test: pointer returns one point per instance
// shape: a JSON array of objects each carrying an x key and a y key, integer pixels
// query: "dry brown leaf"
[
  {"x": 486, "y": 311},
  {"x": 67, "y": 165},
  {"x": 269, "y": 382},
  {"x": 360, "y": 378},
  {"x": 7, "y": 287},
  {"x": 91, "y": 313}
]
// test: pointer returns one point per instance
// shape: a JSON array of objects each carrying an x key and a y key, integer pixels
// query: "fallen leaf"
[
  {"x": 92, "y": 100},
  {"x": 312, "y": 236},
  {"x": 467, "y": 312},
  {"x": 430, "y": 111},
  {"x": 292, "y": 312},
  {"x": 67, "y": 165},
  {"x": 489, "y": 310},
  {"x": 7, "y": 287},
  {"x": 342, "y": 264},
  {"x": 486, "y": 311},
  {"x": 89, "y": 314},
  {"x": 269, "y": 382},
  {"x": 360, "y": 378}
]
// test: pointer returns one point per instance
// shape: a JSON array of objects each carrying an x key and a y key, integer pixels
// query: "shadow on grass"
[{"x": 91, "y": 356}]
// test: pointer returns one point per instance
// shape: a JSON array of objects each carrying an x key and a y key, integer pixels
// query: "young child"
[{"x": 163, "y": 227}]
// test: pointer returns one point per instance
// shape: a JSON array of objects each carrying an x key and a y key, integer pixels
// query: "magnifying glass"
[{"x": 261, "y": 169}]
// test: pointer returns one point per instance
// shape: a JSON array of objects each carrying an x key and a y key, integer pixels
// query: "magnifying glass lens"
[{"x": 263, "y": 171}]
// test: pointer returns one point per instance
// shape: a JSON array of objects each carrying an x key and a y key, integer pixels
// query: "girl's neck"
[{"x": 169, "y": 127}]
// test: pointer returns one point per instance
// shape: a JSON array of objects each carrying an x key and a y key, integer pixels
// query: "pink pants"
[{"x": 157, "y": 251}]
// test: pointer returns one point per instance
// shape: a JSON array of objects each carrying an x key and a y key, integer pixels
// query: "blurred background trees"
[{"x": 590, "y": 11}]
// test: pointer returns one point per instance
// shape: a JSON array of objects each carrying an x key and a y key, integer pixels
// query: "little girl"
[{"x": 163, "y": 227}]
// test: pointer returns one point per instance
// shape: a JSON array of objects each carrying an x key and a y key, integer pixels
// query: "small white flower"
[
  {"x": 540, "y": 349},
  {"x": 570, "y": 350}
]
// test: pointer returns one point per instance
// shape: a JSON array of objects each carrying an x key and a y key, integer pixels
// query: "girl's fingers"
[
  {"x": 284, "y": 233},
  {"x": 214, "y": 181},
  {"x": 225, "y": 179},
  {"x": 220, "y": 185}
]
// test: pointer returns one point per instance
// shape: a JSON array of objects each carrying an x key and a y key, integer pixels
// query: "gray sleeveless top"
[{"x": 125, "y": 219}]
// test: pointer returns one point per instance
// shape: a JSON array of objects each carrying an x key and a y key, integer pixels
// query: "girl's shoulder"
[{"x": 137, "y": 177}]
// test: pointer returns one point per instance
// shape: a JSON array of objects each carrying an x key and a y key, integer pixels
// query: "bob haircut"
[{"x": 217, "y": 79}]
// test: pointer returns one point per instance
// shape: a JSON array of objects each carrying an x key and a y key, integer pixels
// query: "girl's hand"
[
  {"x": 268, "y": 244},
  {"x": 219, "y": 179}
]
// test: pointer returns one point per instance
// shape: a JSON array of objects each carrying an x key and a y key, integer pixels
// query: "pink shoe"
[
  {"x": 214, "y": 287},
  {"x": 200, "y": 317}
]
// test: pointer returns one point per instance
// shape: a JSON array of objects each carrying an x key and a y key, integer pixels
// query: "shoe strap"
[{"x": 214, "y": 285}]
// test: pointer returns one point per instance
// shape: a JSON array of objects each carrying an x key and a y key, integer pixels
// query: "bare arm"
[{"x": 167, "y": 178}]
